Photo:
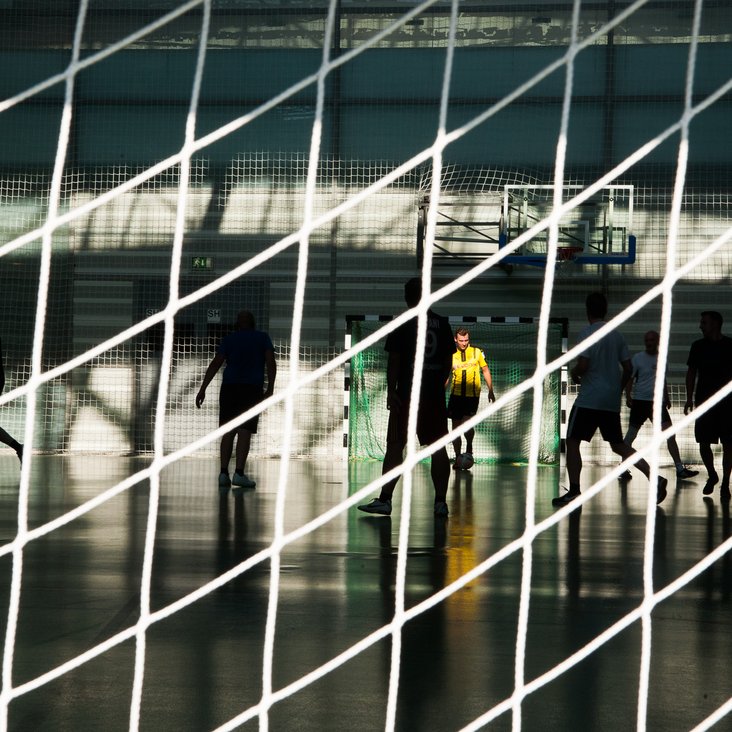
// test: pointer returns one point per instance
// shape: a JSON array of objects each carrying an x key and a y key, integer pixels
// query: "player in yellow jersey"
[{"x": 467, "y": 364}]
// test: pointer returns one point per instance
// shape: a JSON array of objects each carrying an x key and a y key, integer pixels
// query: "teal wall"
[{"x": 382, "y": 105}]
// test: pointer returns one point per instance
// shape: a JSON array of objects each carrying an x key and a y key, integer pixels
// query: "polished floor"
[{"x": 81, "y": 586}]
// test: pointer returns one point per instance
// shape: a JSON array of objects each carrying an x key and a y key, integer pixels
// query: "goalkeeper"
[{"x": 467, "y": 364}]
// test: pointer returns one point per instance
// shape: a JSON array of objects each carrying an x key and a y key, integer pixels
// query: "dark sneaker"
[
  {"x": 625, "y": 476},
  {"x": 661, "y": 489},
  {"x": 383, "y": 508},
  {"x": 224, "y": 480},
  {"x": 242, "y": 481},
  {"x": 441, "y": 509},
  {"x": 709, "y": 485},
  {"x": 568, "y": 497},
  {"x": 685, "y": 473}
]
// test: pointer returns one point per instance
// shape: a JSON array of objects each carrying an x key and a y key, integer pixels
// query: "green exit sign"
[{"x": 202, "y": 263}]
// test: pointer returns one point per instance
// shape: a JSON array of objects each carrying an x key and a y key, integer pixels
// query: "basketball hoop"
[{"x": 565, "y": 254}]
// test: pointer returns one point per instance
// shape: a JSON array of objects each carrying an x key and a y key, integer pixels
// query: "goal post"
[{"x": 509, "y": 344}]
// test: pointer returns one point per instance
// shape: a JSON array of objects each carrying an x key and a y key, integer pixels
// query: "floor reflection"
[{"x": 203, "y": 665}]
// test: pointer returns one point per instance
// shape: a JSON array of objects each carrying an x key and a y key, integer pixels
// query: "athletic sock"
[
  {"x": 240, "y": 471},
  {"x": 679, "y": 467}
]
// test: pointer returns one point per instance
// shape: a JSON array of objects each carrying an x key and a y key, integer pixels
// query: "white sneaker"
[
  {"x": 383, "y": 508},
  {"x": 242, "y": 481}
]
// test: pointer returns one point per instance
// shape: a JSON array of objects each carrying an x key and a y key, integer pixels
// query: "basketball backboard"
[{"x": 597, "y": 230}]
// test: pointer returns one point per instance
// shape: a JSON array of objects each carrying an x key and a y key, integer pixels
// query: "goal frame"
[{"x": 456, "y": 321}]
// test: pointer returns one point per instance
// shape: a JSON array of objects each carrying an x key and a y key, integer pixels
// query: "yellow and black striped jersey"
[{"x": 467, "y": 366}]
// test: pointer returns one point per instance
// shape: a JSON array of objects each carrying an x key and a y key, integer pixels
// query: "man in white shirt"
[
  {"x": 640, "y": 402},
  {"x": 602, "y": 371}
]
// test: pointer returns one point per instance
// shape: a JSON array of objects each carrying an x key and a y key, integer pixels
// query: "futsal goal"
[{"x": 510, "y": 345}]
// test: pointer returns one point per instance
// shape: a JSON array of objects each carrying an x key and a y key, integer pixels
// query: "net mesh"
[
  {"x": 510, "y": 351},
  {"x": 291, "y": 144}
]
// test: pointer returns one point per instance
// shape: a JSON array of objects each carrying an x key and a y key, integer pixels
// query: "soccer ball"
[{"x": 464, "y": 461}]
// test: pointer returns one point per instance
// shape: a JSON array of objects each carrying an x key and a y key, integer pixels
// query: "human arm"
[
  {"x": 216, "y": 363},
  {"x": 629, "y": 390},
  {"x": 489, "y": 383},
  {"x": 392, "y": 375},
  {"x": 579, "y": 369},
  {"x": 627, "y": 374},
  {"x": 270, "y": 365},
  {"x": 690, "y": 382}
]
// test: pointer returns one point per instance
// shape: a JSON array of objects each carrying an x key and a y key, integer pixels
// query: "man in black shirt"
[
  {"x": 401, "y": 346},
  {"x": 710, "y": 369}
]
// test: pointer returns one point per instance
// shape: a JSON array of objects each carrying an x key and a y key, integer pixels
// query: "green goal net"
[{"x": 510, "y": 347}]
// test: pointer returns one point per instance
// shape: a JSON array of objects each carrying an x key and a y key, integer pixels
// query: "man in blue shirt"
[{"x": 248, "y": 353}]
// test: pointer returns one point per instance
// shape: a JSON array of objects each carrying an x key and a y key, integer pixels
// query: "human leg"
[
  {"x": 226, "y": 449},
  {"x": 581, "y": 426},
  {"x": 640, "y": 411},
  {"x": 460, "y": 409},
  {"x": 235, "y": 400},
  {"x": 243, "y": 443},
  {"x": 440, "y": 472},
  {"x": 673, "y": 450},
  {"x": 682, "y": 471},
  {"x": 574, "y": 470},
  {"x": 574, "y": 462},
  {"x": 457, "y": 443},
  {"x": 706, "y": 434},
  {"x": 392, "y": 458},
  {"x": 631, "y": 434},
  {"x": 609, "y": 424},
  {"x": 469, "y": 435},
  {"x": 11, "y": 442},
  {"x": 625, "y": 451},
  {"x": 707, "y": 456},
  {"x": 396, "y": 439},
  {"x": 629, "y": 438},
  {"x": 432, "y": 426},
  {"x": 724, "y": 491}
]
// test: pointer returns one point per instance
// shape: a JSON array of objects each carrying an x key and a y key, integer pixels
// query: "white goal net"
[{"x": 166, "y": 164}]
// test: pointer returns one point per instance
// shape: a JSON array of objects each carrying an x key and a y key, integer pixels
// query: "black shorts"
[
  {"x": 431, "y": 421},
  {"x": 715, "y": 426},
  {"x": 643, "y": 410},
  {"x": 235, "y": 399},
  {"x": 462, "y": 407},
  {"x": 584, "y": 422}
]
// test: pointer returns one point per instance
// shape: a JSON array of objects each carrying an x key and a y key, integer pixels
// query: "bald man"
[
  {"x": 640, "y": 401},
  {"x": 248, "y": 353}
]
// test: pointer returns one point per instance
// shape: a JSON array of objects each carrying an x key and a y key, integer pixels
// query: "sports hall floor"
[{"x": 204, "y": 664}]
